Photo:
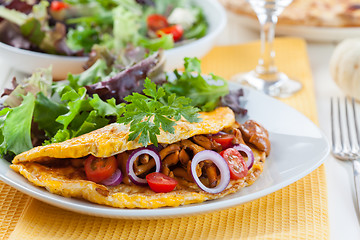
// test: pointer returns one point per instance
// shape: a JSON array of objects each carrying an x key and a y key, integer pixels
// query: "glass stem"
[{"x": 266, "y": 64}]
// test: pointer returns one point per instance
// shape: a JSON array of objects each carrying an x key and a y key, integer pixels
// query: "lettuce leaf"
[
  {"x": 39, "y": 81},
  {"x": 98, "y": 71},
  {"x": 204, "y": 91},
  {"x": 126, "y": 27},
  {"x": 165, "y": 42},
  {"x": 45, "y": 113},
  {"x": 83, "y": 114},
  {"x": 82, "y": 38},
  {"x": 15, "y": 127}
]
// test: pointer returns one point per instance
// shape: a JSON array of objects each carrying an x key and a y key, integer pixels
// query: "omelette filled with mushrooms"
[{"x": 200, "y": 161}]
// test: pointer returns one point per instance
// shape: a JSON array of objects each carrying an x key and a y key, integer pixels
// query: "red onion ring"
[
  {"x": 114, "y": 179},
  {"x": 130, "y": 164},
  {"x": 221, "y": 165},
  {"x": 248, "y": 152},
  {"x": 219, "y": 133}
]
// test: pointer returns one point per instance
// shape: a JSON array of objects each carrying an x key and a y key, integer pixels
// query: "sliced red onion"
[
  {"x": 221, "y": 164},
  {"x": 130, "y": 164},
  {"x": 219, "y": 133},
  {"x": 114, "y": 179},
  {"x": 248, "y": 152}
]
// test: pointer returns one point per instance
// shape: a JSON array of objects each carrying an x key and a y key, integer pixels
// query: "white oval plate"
[
  {"x": 315, "y": 34},
  {"x": 28, "y": 61},
  {"x": 298, "y": 148}
]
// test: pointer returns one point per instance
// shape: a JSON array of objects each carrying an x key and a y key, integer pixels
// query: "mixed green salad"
[
  {"x": 73, "y": 27},
  {"x": 38, "y": 111}
]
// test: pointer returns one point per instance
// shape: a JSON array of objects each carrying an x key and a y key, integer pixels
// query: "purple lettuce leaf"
[
  {"x": 10, "y": 34},
  {"x": 232, "y": 100},
  {"x": 146, "y": 2},
  {"x": 128, "y": 81}
]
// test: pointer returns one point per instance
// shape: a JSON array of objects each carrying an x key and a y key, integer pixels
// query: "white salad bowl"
[{"x": 27, "y": 61}]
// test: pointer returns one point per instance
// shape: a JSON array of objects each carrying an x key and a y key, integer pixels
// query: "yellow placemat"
[
  {"x": 298, "y": 211},
  {"x": 12, "y": 204}
]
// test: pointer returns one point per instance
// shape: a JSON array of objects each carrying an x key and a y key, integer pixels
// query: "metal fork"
[{"x": 346, "y": 143}]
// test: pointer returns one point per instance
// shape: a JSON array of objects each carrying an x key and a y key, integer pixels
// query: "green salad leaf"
[
  {"x": 98, "y": 71},
  {"x": 46, "y": 112},
  {"x": 16, "y": 126},
  {"x": 82, "y": 38},
  {"x": 40, "y": 81},
  {"x": 84, "y": 114},
  {"x": 166, "y": 41},
  {"x": 31, "y": 29},
  {"x": 13, "y": 16},
  {"x": 204, "y": 91}
]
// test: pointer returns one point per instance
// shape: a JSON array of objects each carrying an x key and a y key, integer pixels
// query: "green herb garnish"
[{"x": 154, "y": 110}]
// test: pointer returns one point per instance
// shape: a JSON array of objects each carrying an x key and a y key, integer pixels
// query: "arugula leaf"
[
  {"x": 204, "y": 91},
  {"x": 154, "y": 110},
  {"x": 15, "y": 127}
]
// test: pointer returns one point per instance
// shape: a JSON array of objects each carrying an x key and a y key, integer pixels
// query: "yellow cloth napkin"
[{"x": 298, "y": 211}]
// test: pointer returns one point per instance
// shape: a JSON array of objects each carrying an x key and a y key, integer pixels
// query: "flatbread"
[{"x": 324, "y": 13}]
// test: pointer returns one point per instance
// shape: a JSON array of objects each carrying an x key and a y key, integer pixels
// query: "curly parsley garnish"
[{"x": 154, "y": 110}]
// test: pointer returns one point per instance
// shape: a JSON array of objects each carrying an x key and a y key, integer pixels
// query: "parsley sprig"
[{"x": 154, "y": 110}]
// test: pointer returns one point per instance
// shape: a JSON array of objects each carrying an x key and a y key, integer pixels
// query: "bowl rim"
[
  {"x": 218, "y": 27},
  {"x": 30, "y": 53}
]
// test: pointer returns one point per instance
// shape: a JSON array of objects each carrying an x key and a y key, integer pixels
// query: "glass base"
[{"x": 279, "y": 86}]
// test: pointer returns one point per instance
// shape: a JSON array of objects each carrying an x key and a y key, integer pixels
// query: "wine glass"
[{"x": 265, "y": 77}]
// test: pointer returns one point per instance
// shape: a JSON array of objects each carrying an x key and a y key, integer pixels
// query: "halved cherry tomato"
[
  {"x": 224, "y": 139},
  {"x": 58, "y": 5},
  {"x": 159, "y": 182},
  {"x": 156, "y": 22},
  {"x": 176, "y": 30},
  {"x": 99, "y": 169},
  {"x": 236, "y": 163}
]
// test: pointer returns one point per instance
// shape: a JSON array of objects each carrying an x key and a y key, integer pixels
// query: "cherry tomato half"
[
  {"x": 236, "y": 163},
  {"x": 176, "y": 30},
  {"x": 58, "y": 5},
  {"x": 156, "y": 22},
  {"x": 99, "y": 169},
  {"x": 159, "y": 182},
  {"x": 224, "y": 139}
]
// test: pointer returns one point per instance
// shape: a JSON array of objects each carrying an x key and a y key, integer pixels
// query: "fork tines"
[{"x": 344, "y": 126}]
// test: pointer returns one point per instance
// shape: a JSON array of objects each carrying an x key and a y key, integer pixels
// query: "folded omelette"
[{"x": 59, "y": 167}]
